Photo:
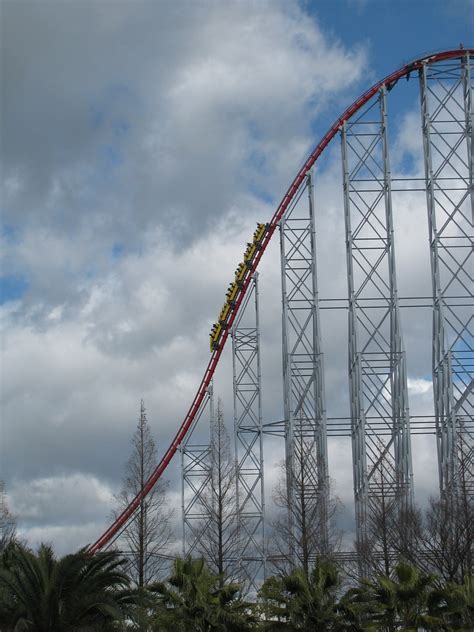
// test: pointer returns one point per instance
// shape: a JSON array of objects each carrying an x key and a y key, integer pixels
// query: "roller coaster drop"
[{"x": 380, "y": 420}]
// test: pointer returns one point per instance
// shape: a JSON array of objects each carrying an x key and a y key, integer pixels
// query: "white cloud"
[
  {"x": 167, "y": 134},
  {"x": 420, "y": 386},
  {"x": 66, "y": 511},
  {"x": 67, "y": 497}
]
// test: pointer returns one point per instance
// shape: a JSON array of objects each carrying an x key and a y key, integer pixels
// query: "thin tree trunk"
[{"x": 141, "y": 535}]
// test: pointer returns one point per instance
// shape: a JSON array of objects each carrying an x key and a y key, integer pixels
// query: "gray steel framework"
[
  {"x": 303, "y": 377},
  {"x": 195, "y": 481},
  {"x": 446, "y": 109},
  {"x": 379, "y": 417},
  {"x": 377, "y": 371},
  {"x": 249, "y": 440}
]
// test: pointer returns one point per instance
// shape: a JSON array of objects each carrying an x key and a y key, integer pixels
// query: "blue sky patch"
[
  {"x": 118, "y": 250},
  {"x": 9, "y": 233},
  {"x": 112, "y": 156},
  {"x": 12, "y": 288}
]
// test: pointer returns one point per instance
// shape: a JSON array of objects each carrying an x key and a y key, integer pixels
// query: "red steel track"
[{"x": 388, "y": 81}]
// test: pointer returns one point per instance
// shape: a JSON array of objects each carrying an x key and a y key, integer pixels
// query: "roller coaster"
[
  {"x": 236, "y": 286},
  {"x": 379, "y": 412}
]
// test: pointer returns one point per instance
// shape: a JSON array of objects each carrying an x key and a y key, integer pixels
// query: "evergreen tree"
[
  {"x": 193, "y": 599},
  {"x": 41, "y": 593},
  {"x": 402, "y": 602},
  {"x": 302, "y": 601}
]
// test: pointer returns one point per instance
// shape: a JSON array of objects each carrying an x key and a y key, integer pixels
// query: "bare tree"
[
  {"x": 391, "y": 521},
  {"x": 7, "y": 521},
  {"x": 445, "y": 539},
  {"x": 438, "y": 540},
  {"x": 444, "y": 534},
  {"x": 441, "y": 537},
  {"x": 297, "y": 529},
  {"x": 375, "y": 551},
  {"x": 148, "y": 535},
  {"x": 219, "y": 539},
  {"x": 465, "y": 494}
]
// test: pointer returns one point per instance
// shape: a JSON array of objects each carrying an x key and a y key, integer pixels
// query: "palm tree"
[
  {"x": 273, "y": 605},
  {"x": 299, "y": 601},
  {"x": 454, "y": 605},
  {"x": 77, "y": 592},
  {"x": 356, "y": 610},
  {"x": 195, "y": 600},
  {"x": 401, "y": 603}
]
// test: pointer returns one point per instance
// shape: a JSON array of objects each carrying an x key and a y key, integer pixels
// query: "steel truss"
[
  {"x": 379, "y": 388},
  {"x": 303, "y": 382},
  {"x": 447, "y": 116},
  {"x": 248, "y": 434},
  {"x": 195, "y": 482},
  {"x": 377, "y": 371}
]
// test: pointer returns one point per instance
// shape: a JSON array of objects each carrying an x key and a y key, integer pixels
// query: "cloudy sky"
[{"x": 141, "y": 141}]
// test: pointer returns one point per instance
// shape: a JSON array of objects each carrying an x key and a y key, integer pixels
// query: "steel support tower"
[
  {"x": 377, "y": 372},
  {"x": 195, "y": 482},
  {"x": 379, "y": 420},
  {"x": 447, "y": 117},
  {"x": 248, "y": 434},
  {"x": 303, "y": 381}
]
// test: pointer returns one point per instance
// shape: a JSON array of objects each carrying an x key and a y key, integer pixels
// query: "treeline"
[
  {"x": 416, "y": 566},
  {"x": 80, "y": 592}
]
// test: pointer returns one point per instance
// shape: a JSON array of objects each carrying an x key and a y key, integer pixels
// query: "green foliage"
[
  {"x": 76, "y": 593},
  {"x": 356, "y": 610},
  {"x": 302, "y": 602},
  {"x": 194, "y": 600},
  {"x": 453, "y": 604},
  {"x": 406, "y": 602},
  {"x": 80, "y": 592},
  {"x": 401, "y": 602}
]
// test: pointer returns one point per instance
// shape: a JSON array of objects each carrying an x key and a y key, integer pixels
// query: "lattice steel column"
[
  {"x": 377, "y": 368},
  {"x": 249, "y": 439},
  {"x": 303, "y": 382},
  {"x": 195, "y": 481},
  {"x": 446, "y": 109}
]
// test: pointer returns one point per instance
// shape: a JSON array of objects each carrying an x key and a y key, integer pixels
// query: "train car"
[
  {"x": 225, "y": 311},
  {"x": 216, "y": 333},
  {"x": 240, "y": 273},
  {"x": 235, "y": 286},
  {"x": 259, "y": 233},
  {"x": 232, "y": 292},
  {"x": 250, "y": 254}
]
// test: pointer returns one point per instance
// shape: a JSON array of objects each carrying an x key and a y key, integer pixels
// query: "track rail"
[{"x": 389, "y": 81}]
